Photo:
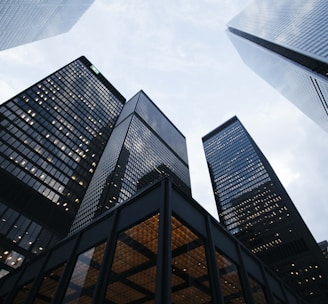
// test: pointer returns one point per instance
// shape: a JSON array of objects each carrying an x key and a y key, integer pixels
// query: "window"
[
  {"x": 230, "y": 281},
  {"x": 49, "y": 285},
  {"x": 257, "y": 291},
  {"x": 133, "y": 273},
  {"x": 85, "y": 274},
  {"x": 190, "y": 280}
]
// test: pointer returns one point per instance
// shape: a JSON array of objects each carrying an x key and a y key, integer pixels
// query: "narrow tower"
[{"x": 254, "y": 206}]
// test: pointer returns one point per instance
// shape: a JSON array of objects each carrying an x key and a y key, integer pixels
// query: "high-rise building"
[
  {"x": 24, "y": 21},
  {"x": 254, "y": 206},
  {"x": 160, "y": 246},
  {"x": 52, "y": 136},
  {"x": 143, "y": 147},
  {"x": 285, "y": 43}
]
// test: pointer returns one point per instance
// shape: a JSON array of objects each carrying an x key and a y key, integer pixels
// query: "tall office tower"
[
  {"x": 143, "y": 147},
  {"x": 52, "y": 136},
  {"x": 285, "y": 42},
  {"x": 24, "y": 21},
  {"x": 254, "y": 206}
]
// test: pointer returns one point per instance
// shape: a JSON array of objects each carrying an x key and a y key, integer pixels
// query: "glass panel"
[
  {"x": 257, "y": 291},
  {"x": 49, "y": 285},
  {"x": 22, "y": 293},
  {"x": 190, "y": 281},
  {"x": 133, "y": 273},
  {"x": 84, "y": 277},
  {"x": 229, "y": 279}
]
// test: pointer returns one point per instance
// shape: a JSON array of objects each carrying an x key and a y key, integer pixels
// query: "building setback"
[
  {"x": 159, "y": 246},
  {"x": 52, "y": 136},
  {"x": 286, "y": 44},
  {"x": 253, "y": 205},
  {"x": 24, "y": 21},
  {"x": 143, "y": 147}
]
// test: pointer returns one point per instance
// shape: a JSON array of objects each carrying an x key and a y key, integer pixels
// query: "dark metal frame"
[{"x": 163, "y": 198}]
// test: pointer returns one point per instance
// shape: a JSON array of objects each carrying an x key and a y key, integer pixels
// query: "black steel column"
[
  {"x": 244, "y": 277},
  {"x": 106, "y": 265},
  {"x": 164, "y": 268},
  {"x": 212, "y": 265},
  {"x": 66, "y": 277}
]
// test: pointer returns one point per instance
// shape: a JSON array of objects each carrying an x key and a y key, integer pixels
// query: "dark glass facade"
[
  {"x": 143, "y": 147},
  {"x": 254, "y": 207},
  {"x": 27, "y": 21},
  {"x": 171, "y": 252},
  {"x": 52, "y": 136},
  {"x": 285, "y": 43}
]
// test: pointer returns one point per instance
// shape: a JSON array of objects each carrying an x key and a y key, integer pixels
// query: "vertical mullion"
[
  {"x": 267, "y": 290},
  {"x": 163, "y": 272},
  {"x": 106, "y": 264},
  {"x": 212, "y": 265},
  {"x": 64, "y": 280},
  {"x": 244, "y": 276}
]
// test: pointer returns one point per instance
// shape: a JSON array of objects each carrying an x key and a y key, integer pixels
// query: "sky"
[{"x": 179, "y": 54}]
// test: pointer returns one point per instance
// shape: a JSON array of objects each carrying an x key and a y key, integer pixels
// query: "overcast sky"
[{"x": 179, "y": 54}]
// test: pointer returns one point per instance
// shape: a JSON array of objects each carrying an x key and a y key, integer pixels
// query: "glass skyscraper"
[
  {"x": 52, "y": 136},
  {"x": 24, "y": 21},
  {"x": 144, "y": 147},
  {"x": 254, "y": 206},
  {"x": 70, "y": 149},
  {"x": 285, "y": 42}
]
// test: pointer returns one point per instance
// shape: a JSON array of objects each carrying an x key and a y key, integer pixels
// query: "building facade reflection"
[
  {"x": 254, "y": 206},
  {"x": 143, "y": 140},
  {"x": 284, "y": 42},
  {"x": 52, "y": 136},
  {"x": 27, "y": 21}
]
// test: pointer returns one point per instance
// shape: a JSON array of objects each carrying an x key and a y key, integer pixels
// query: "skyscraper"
[
  {"x": 27, "y": 21},
  {"x": 143, "y": 147},
  {"x": 285, "y": 43},
  {"x": 52, "y": 136},
  {"x": 63, "y": 163},
  {"x": 254, "y": 206}
]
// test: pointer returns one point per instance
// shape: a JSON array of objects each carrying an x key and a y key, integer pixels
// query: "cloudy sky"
[{"x": 179, "y": 54}]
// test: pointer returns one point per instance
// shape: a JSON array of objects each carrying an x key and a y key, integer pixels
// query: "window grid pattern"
[
  {"x": 52, "y": 136},
  {"x": 230, "y": 280},
  {"x": 300, "y": 26},
  {"x": 263, "y": 218},
  {"x": 235, "y": 166},
  {"x": 131, "y": 270},
  {"x": 55, "y": 132},
  {"x": 49, "y": 285},
  {"x": 85, "y": 274},
  {"x": 257, "y": 291},
  {"x": 24, "y": 234},
  {"x": 27, "y": 21},
  {"x": 190, "y": 280},
  {"x": 136, "y": 156},
  {"x": 151, "y": 152},
  {"x": 278, "y": 70}
]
